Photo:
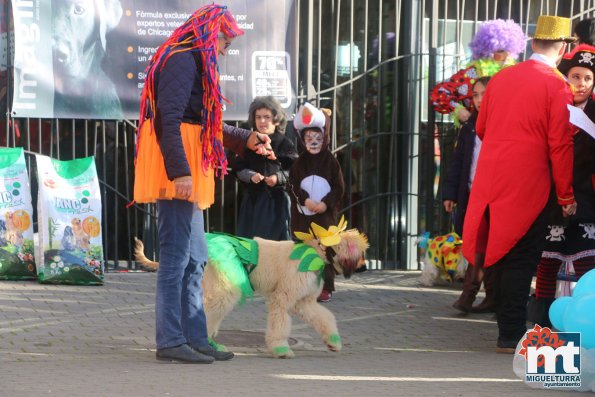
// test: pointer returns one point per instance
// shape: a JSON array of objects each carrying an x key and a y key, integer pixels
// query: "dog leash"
[
  {"x": 329, "y": 252},
  {"x": 288, "y": 185}
]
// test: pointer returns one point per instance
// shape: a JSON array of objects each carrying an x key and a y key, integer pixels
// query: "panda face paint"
[{"x": 313, "y": 140}]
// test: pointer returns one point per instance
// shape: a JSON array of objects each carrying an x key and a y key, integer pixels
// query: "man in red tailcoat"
[{"x": 526, "y": 140}]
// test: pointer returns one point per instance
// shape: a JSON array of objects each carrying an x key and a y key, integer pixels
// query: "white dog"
[{"x": 287, "y": 274}]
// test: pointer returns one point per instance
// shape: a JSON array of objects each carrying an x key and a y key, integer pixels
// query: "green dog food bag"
[
  {"x": 69, "y": 216},
  {"x": 16, "y": 228}
]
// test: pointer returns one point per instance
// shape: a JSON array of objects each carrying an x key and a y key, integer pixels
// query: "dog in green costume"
[{"x": 287, "y": 274}]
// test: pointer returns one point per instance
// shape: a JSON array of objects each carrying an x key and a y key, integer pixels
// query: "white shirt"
[
  {"x": 544, "y": 59},
  {"x": 474, "y": 157}
]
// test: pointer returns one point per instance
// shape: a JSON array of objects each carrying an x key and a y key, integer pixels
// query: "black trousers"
[
  {"x": 513, "y": 274},
  {"x": 329, "y": 278}
]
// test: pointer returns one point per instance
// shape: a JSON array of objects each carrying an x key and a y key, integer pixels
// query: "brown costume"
[{"x": 319, "y": 177}]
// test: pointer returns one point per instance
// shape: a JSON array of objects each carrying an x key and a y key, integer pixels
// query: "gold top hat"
[{"x": 553, "y": 28}]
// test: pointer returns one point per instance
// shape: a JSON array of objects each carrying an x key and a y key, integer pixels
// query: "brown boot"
[
  {"x": 471, "y": 285},
  {"x": 488, "y": 304}
]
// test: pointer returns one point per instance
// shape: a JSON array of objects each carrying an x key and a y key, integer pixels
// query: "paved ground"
[{"x": 399, "y": 340}]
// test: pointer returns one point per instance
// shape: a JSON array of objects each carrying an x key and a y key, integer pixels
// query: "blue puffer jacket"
[{"x": 179, "y": 99}]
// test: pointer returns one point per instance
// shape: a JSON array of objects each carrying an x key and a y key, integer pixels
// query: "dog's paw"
[
  {"x": 426, "y": 279},
  {"x": 217, "y": 346},
  {"x": 147, "y": 268},
  {"x": 334, "y": 342},
  {"x": 283, "y": 352}
]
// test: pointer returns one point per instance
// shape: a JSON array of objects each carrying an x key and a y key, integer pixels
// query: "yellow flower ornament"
[
  {"x": 304, "y": 236},
  {"x": 329, "y": 237}
]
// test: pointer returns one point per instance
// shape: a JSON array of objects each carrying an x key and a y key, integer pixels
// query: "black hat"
[{"x": 583, "y": 56}]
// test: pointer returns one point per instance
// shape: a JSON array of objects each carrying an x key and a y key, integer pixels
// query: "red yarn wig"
[{"x": 198, "y": 34}]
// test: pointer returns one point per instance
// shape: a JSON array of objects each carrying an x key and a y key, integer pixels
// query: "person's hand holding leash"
[{"x": 261, "y": 144}]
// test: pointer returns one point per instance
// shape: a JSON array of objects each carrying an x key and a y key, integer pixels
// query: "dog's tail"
[{"x": 140, "y": 257}]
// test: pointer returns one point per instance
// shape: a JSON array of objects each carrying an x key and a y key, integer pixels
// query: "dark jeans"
[
  {"x": 513, "y": 274},
  {"x": 179, "y": 313}
]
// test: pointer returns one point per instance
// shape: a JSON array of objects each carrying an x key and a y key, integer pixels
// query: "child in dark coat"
[
  {"x": 264, "y": 211},
  {"x": 456, "y": 194}
]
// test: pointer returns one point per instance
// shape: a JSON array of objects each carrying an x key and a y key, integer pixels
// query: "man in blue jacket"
[{"x": 180, "y": 150}]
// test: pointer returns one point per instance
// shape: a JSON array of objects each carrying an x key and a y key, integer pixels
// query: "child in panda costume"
[{"x": 316, "y": 181}]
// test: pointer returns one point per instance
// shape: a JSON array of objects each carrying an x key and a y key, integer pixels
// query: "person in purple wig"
[
  {"x": 496, "y": 45},
  {"x": 498, "y": 39}
]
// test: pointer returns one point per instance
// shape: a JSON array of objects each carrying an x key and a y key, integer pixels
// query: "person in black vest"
[{"x": 179, "y": 152}]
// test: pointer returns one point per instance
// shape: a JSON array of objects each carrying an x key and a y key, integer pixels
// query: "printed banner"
[
  {"x": 5, "y": 32},
  {"x": 86, "y": 58}
]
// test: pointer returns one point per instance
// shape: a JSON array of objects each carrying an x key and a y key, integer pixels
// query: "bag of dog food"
[
  {"x": 16, "y": 229},
  {"x": 69, "y": 216}
]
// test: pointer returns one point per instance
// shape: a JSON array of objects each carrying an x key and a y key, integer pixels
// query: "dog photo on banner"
[{"x": 82, "y": 87}]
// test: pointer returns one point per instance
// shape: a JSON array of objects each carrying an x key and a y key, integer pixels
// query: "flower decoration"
[
  {"x": 304, "y": 236},
  {"x": 329, "y": 237},
  {"x": 332, "y": 236},
  {"x": 57, "y": 264}
]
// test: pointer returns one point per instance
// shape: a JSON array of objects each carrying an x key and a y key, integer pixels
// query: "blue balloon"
[
  {"x": 557, "y": 310},
  {"x": 578, "y": 317},
  {"x": 585, "y": 284}
]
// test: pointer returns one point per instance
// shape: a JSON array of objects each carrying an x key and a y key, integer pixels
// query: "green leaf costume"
[{"x": 232, "y": 256}]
